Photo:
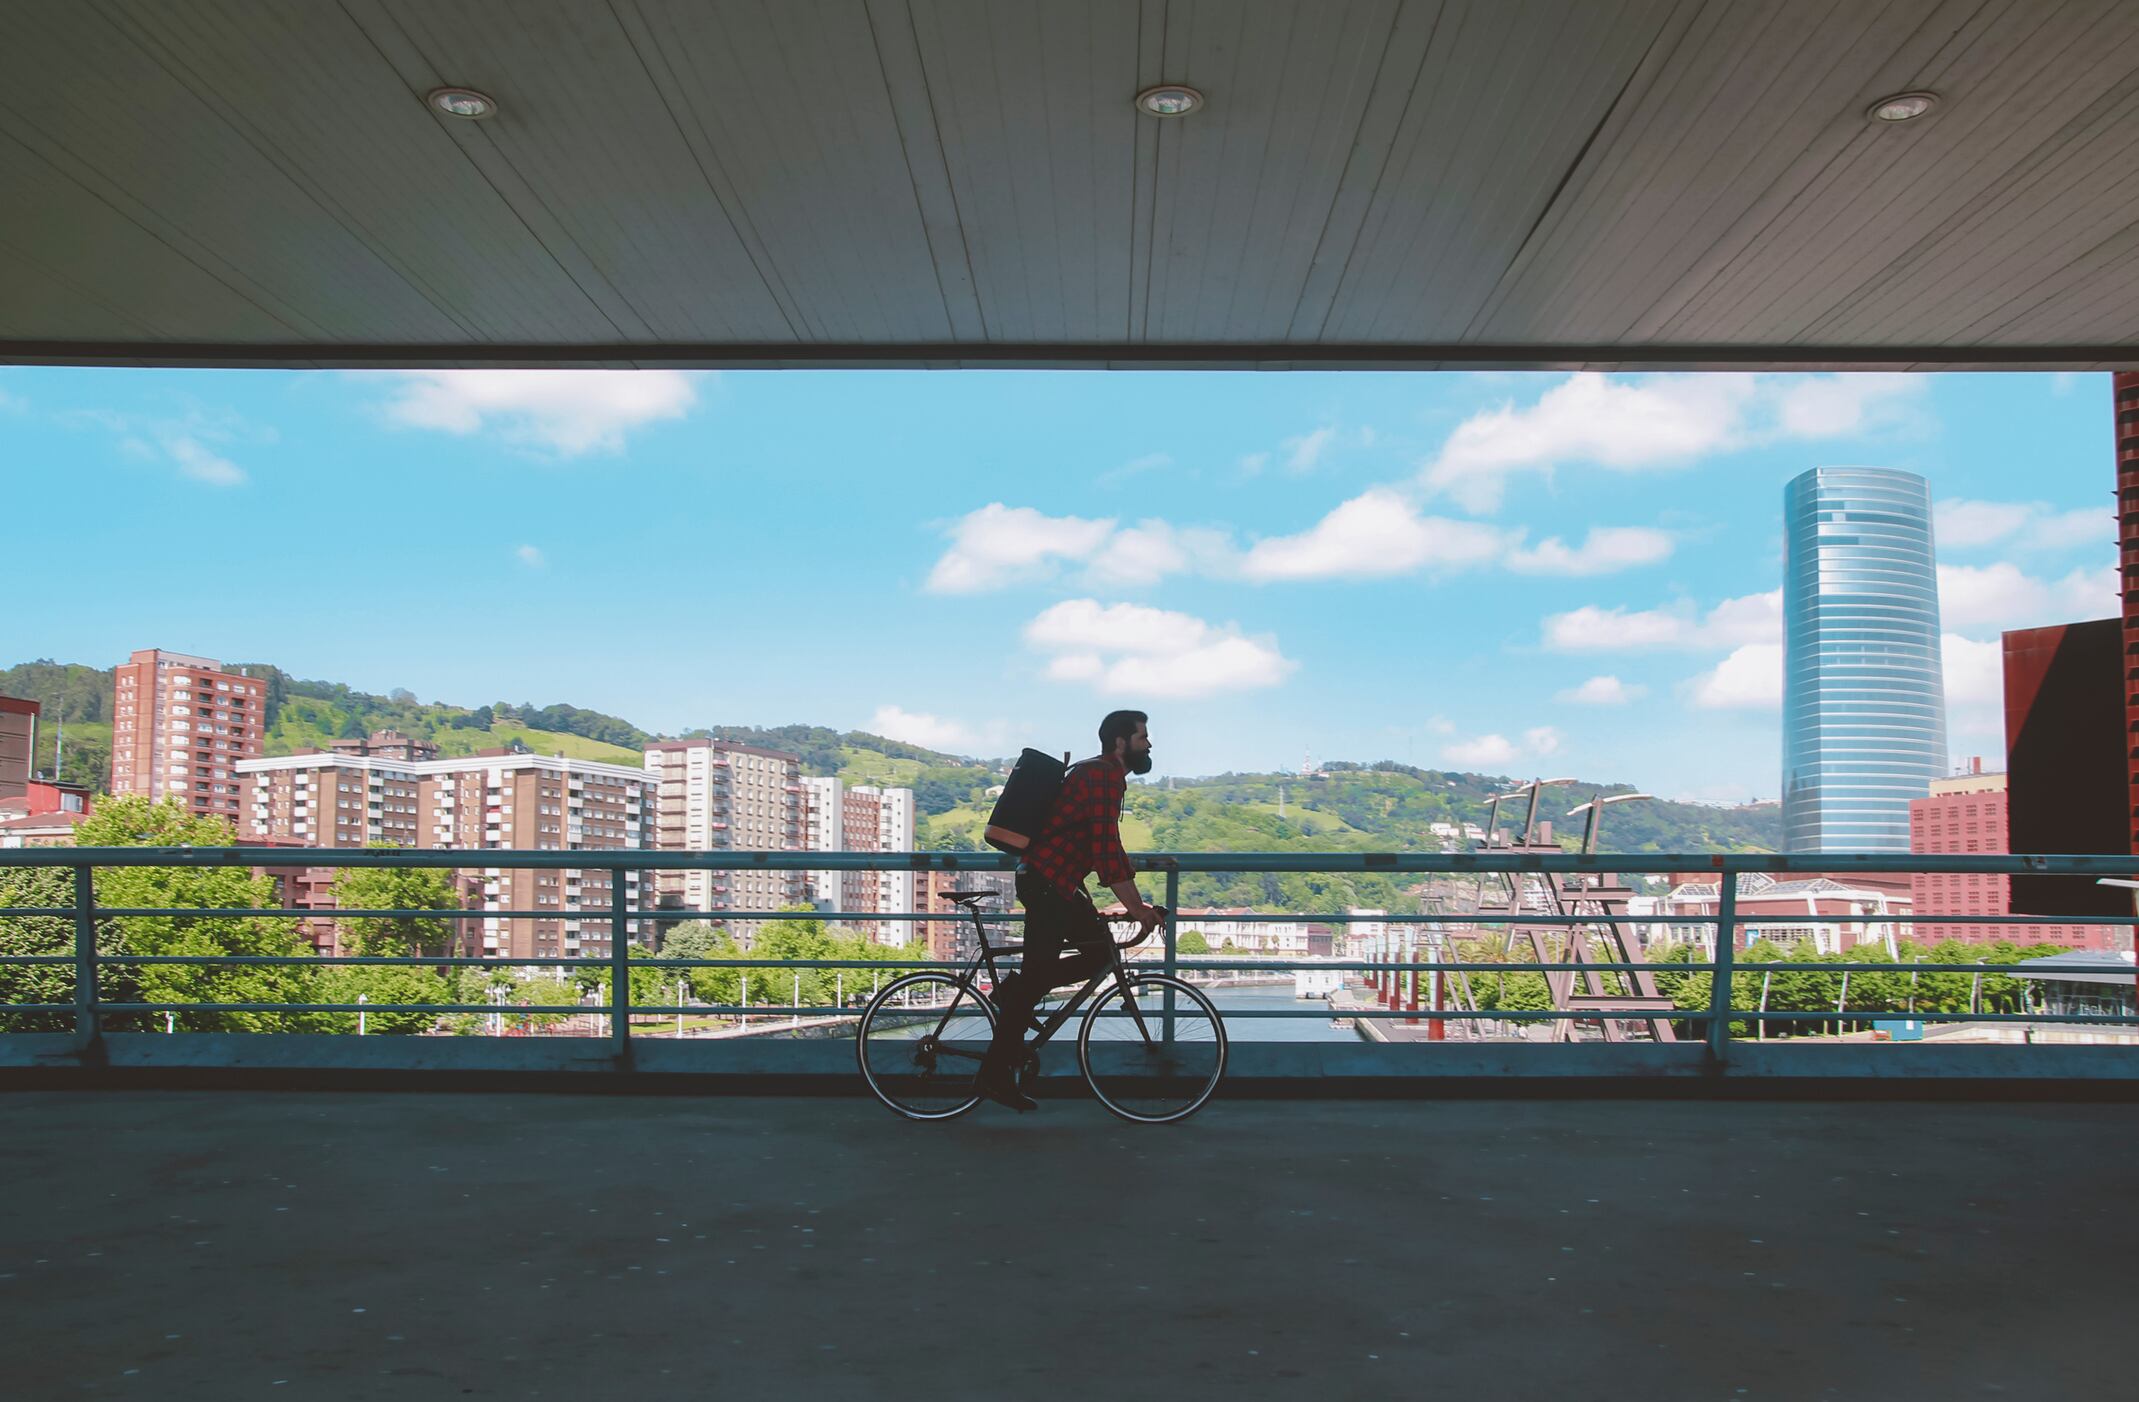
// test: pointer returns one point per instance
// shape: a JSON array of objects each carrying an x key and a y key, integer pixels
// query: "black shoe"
[{"x": 1001, "y": 1088}]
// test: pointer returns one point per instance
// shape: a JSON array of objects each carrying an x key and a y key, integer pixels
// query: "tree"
[
  {"x": 131, "y": 820},
  {"x": 398, "y": 888},
  {"x": 1192, "y": 942},
  {"x": 379, "y": 984},
  {"x": 46, "y": 936}
]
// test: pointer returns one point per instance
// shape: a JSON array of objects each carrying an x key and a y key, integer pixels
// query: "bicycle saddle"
[{"x": 968, "y": 899}]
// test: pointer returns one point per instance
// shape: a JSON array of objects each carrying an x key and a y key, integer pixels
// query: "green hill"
[{"x": 1383, "y": 807}]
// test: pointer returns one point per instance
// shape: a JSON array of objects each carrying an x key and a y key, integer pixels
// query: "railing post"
[
  {"x": 619, "y": 969},
  {"x": 1173, "y": 965},
  {"x": 88, "y": 1028},
  {"x": 1719, "y": 988}
]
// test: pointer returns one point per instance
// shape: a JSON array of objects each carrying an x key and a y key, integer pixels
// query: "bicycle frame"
[{"x": 1045, "y": 1031}]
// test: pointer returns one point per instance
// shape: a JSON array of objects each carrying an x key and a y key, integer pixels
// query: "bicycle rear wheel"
[
  {"x": 920, "y": 1044},
  {"x": 1153, "y": 1048}
]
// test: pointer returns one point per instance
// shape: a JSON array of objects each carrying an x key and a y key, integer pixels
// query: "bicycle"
[{"x": 1152, "y": 1047}]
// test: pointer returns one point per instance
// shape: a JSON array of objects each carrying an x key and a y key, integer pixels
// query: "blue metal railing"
[{"x": 89, "y": 964}]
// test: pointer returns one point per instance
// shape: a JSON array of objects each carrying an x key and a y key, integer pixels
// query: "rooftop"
[{"x": 1646, "y": 182}]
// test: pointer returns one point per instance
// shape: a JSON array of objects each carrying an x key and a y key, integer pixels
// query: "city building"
[
  {"x": 493, "y": 801},
  {"x": 877, "y": 819},
  {"x": 18, "y": 744},
  {"x": 386, "y": 744},
  {"x": 1835, "y": 913},
  {"x": 823, "y": 829},
  {"x": 44, "y": 814},
  {"x": 719, "y": 795},
  {"x": 1966, "y": 813},
  {"x": 180, "y": 726},
  {"x": 1864, "y": 709},
  {"x": 951, "y": 940}
]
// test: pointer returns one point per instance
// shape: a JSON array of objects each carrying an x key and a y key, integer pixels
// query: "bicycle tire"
[
  {"x": 908, "y": 1072},
  {"x": 1153, "y": 1081}
]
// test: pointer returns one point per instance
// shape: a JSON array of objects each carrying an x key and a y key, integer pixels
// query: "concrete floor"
[{"x": 226, "y": 1245}]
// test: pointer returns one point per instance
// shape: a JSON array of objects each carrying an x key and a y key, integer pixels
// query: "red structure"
[
  {"x": 1967, "y": 814},
  {"x": 2126, "y": 389}
]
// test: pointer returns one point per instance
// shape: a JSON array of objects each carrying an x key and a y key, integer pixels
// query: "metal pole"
[
  {"x": 1719, "y": 991},
  {"x": 795, "y": 1017},
  {"x": 1173, "y": 901},
  {"x": 361, "y": 998},
  {"x": 619, "y": 969},
  {"x": 87, "y": 1025},
  {"x": 1767, "y": 976}
]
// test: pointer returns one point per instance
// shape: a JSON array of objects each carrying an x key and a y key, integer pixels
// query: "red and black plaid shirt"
[{"x": 1083, "y": 833}]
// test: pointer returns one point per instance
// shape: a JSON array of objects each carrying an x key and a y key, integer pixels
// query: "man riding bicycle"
[{"x": 1082, "y": 836}]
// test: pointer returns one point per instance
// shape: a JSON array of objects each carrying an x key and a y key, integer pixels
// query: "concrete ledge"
[{"x": 1333, "y": 1070}]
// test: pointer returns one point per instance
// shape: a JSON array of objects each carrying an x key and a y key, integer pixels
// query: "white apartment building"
[{"x": 823, "y": 830}]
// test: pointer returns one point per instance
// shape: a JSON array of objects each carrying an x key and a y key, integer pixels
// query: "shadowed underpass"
[{"x": 396, "y": 1245}]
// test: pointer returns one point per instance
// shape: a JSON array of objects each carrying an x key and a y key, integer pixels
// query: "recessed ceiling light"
[
  {"x": 1169, "y": 100},
  {"x": 462, "y": 102},
  {"x": 1902, "y": 106}
]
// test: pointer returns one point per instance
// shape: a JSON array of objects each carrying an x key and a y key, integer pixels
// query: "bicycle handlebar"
[{"x": 1142, "y": 934}]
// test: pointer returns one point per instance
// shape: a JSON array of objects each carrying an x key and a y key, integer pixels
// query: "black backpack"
[{"x": 1027, "y": 798}]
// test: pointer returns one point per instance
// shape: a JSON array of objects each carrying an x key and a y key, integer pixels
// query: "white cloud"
[
  {"x": 1485, "y": 750},
  {"x": 1831, "y": 406},
  {"x": 1129, "y": 649},
  {"x": 1376, "y": 533},
  {"x": 1604, "y": 550},
  {"x": 563, "y": 412},
  {"x": 201, "y": 464},
  {"x": 1303, "y": 453},
  {"x": 1975, "y": 674},
  {"x": 532, "y": 557},
  {"x": 1751, "y": 618},
  {"x": 1151, "y": 550},
  {"x": 1653, "y": 421},
  {"x": 1498, "y": 750},
  {"x": 1253, "y": 463},
  {"x": 999, "y": 545},
  {"x": 1960, "y": 524},
  {"x": 1750, "y": 678},
  {"x": 13, "y": 403},
  {"x": 2003, "y": 596},
  {"x": 1603, "y": 691},
  {"x": 929, "y": 731},
  {"x": 1135, "y": 467}
]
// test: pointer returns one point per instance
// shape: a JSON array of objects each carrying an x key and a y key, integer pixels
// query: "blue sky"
[{"x": 1505, "y": 573}]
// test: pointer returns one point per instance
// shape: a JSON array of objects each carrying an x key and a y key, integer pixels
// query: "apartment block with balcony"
[
  {"x": 180, "y": 727},
  {"x": 495, "y": 801},
  {"x": 719, "y": 795},
  {"x": 878, "y": 820}
]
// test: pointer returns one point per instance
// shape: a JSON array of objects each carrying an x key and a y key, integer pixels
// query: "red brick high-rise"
[
  {"x": 2126, "y": 388},
  {"x": 1966, "y": 815},
  {"x": 179, "y": 726}
]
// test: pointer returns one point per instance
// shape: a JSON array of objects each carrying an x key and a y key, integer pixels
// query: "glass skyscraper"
[{"x": 1864, "y": 700}]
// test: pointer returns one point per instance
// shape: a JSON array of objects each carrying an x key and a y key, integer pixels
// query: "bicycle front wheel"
[
  {"x": 1153, "y": 1048},
  {"x": 920, "y": 1045}
]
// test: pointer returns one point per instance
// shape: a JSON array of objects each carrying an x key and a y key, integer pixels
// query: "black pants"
[{"x": 1065, "y": 943}]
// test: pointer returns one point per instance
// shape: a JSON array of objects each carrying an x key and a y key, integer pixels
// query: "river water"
[{"x": 1234, "y": 1001}]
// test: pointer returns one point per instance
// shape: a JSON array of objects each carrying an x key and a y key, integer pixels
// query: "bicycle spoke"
[
  {"x": 1147, "y": 1062},
  {"x": 921, "y": 1042}
]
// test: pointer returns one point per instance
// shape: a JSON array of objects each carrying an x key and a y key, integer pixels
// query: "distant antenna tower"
[{"x": 1307, "y": 762}]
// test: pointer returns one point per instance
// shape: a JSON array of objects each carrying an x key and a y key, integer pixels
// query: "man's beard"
[{"x": 1140, "y": 764}]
